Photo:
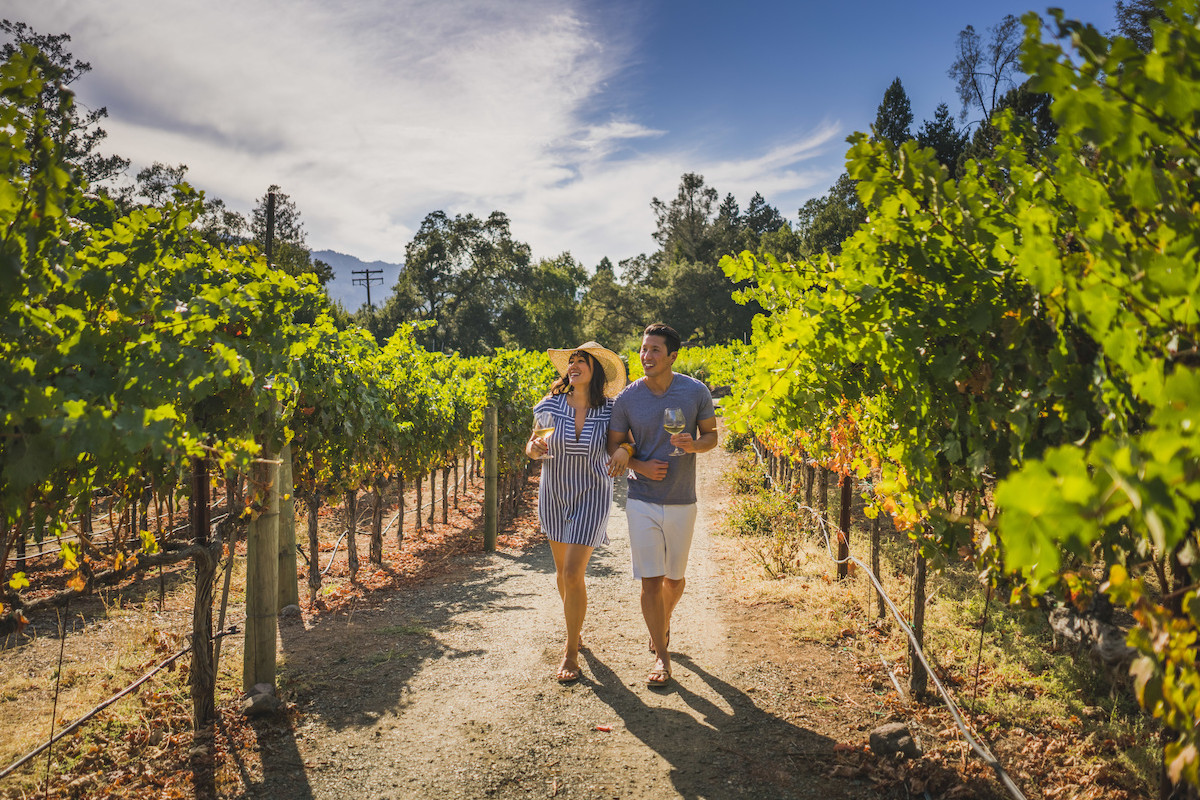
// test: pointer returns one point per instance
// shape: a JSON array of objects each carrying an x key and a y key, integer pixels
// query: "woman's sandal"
[
  {"x": 566, "y": 675},
  {"x": 658, "y": 677}
]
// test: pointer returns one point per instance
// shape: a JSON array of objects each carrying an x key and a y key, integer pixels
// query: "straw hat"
[{"x": 614, "y": 367}]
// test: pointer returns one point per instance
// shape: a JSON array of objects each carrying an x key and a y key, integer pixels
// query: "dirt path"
[{"x": 446, "y": 690}]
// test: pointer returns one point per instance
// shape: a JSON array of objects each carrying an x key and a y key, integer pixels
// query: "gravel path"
[{"x": 447, "y": 690}]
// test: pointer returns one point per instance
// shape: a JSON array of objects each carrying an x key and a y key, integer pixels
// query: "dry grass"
[
  {"x": 1025, "y": 689},
  {"x": 117, "y": 635}
]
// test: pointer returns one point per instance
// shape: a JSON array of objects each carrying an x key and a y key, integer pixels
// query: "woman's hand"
[
  {"x": 536, "y": 447},
  {"x": 618, "y": 462}
]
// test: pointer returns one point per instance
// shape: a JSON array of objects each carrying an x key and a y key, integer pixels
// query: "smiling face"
[
  {"x": 579, "y": 371},
  {"x": 656, "y": 361}
]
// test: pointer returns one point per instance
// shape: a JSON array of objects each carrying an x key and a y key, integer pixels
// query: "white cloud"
[{"x": 372, "y": 114}]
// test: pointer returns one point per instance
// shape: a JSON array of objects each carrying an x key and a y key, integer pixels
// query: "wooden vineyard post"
[
  {"x": 262, "y": 579},
  {"x": 420, "y": 505},
  {"x": 809, "y": 477},
  {"x": 400, "y": 516},
  {"x": 491, "y": 472},
  {"x": 918, "y": 681},
  {"x": 352, "y": 533},
  {"x": 445, "y": 494},
  {"x": 202, "y": 675},
  {"x": 876, "y": 524},
  {"x": 313, "y": 507},
  {"x": 289, "y": 584},
  {"x": 376, "y": 552},
  {"x": 843, "y": 548},
  {"x": 823, "y": 496}
]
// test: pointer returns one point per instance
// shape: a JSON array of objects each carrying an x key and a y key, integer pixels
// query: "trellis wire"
[
  {"x": 980, "y": 749},
  {"x": 127, "y": 690}
]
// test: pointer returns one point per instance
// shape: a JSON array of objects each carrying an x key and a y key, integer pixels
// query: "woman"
[{"x": 576, "y": 491}]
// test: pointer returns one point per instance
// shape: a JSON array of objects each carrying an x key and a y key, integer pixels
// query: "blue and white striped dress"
[{"x": 576, "y": 491}]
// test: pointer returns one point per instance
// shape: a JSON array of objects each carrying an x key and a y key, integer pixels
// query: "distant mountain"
[{"x": 342, "y": 288}]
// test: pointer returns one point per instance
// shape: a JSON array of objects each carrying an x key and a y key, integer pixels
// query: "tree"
[
  {"x": 983, "y": 73},
  {"x": 727, "y": 230},
  {"x": 1032, "y": 109},
  {"x": 157, "y": 183},
  {"x": 546, "y": 311},
  {"x": 784, "y": 243},
  {"x": 894, "y": 117},
  {"x": 762, "y": 218},
  {"x": 612, "y": 311},
  {"x": 943, "y": 136},
  {"x": 81, "y": 131},
  {"x": 464, "y": 275},
  {"x": 684, "y": 224},
  {"x": 1133, "y": 21},
  {"x": 826, "y": 222},
  {"x": 289, "y": 251}
]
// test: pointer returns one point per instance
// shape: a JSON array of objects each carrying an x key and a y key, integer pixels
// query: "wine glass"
[
  {"x": 673, "y": 423},
  {"x": 543, "y": 427}
]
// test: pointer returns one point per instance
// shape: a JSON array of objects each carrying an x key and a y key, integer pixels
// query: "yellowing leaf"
[
  {"x": 70, "y": 556},
  {"x": 77, "y": 582},
  {"x": 18, "y": 581}
]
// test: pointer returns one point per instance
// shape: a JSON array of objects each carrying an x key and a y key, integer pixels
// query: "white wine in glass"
[
  {"x": 673, "y": 423},
  {"x": 543, "y": 427}
]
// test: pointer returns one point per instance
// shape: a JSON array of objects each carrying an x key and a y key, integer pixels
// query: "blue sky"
[{"x": 567, "y": 115}]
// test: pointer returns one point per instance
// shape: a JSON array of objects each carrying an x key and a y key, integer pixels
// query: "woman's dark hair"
[
  {"x": 666, "y": 332},
  {"x": 595, "y": 388}
]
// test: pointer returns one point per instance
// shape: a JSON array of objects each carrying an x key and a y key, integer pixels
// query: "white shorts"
[{"x": 660, "y": 538}]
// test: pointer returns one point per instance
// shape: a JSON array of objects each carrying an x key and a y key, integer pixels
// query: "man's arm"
[{"x": 619, "y": 459}]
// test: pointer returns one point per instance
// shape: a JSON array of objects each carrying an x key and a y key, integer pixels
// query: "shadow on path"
[{"x": 746, "y": 751}]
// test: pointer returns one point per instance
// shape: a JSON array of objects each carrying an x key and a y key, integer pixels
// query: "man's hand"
[
  {"x": 684, "y": 442},
  {"x": 654, "y": 470},
  {"x": 706, "y": 441}
]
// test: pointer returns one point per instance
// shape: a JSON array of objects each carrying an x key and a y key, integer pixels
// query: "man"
[{"x": 661, "y": 506}]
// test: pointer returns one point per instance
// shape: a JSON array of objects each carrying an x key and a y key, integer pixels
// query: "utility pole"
[{"x": 367, "y": 280}]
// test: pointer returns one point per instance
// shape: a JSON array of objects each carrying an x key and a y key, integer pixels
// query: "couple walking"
[{"x": 600, "y": 431}]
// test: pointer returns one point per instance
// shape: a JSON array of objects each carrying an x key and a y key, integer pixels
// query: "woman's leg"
[{"x": 570, "y": 566}]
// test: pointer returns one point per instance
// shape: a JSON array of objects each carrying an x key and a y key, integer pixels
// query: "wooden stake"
[
  {"x": 289, "y": 584},
  {"x": 262, "y": 579},
  {"x": 491, "y": 472}
]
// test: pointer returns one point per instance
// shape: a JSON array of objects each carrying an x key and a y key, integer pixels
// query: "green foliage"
[
  {"x": 466, "y": 276},
  {"x": 894, "y": 117},
  {"x": 827, "y": 221},
  {"x": 942, "y": 136},
  {"x": 545, "y": 313},
  {"x": 1034, "y": 321},
  {"x": 130, "y": 343},
  {"x": 76, "y": 130}
]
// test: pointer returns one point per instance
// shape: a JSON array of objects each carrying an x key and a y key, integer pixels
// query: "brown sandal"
[{"x": 658, "y": 677}]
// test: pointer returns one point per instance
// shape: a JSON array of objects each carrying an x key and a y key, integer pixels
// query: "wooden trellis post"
[
  {"x": 262, "y": 578},
  {"x": 843, "y": 548},
  {"x": 289, "y": 585},
  {"x": 491, "y": 474}
]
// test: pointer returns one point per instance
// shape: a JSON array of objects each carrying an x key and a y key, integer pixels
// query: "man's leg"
[
  {"x": 654, "y": 610},
  {"x": 679, "y": 523}
]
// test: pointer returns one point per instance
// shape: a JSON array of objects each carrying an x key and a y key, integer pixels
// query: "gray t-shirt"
[{"x": 639, "y": 411}]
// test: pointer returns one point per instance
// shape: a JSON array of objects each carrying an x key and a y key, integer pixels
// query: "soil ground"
[
  {"x": 444, "y": 686},
  {"x": 447, "y": 690}
]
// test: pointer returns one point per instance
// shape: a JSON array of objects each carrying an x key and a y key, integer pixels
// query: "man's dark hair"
[{"x": 666, "y": 332}]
